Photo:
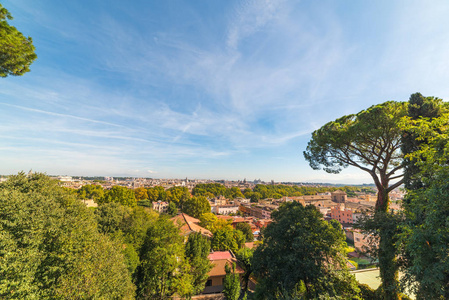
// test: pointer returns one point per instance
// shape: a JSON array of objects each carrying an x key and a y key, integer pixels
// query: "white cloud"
[{"x": 250, "y": 16}]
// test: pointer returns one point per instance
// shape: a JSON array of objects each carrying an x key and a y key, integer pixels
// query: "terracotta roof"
[
  {"x": 220, "y": 255},
  {"x": 338, "y": 192},
  {"x": 189, "y": 224},
  {"x": 250, "y": 245},
  {"x": 218, "y": 268}
]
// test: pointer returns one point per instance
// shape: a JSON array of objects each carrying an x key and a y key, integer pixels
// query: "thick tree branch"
[
  {"x": 394, "y": 170},
  {"x": 398, "y": 176},
  {"x": 392, "y": 187}
]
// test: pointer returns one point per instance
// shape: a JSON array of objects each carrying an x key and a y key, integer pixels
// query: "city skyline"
[{"x": 209, "y": 90}]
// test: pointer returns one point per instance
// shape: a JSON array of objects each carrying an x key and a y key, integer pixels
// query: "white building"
[
  {"x": 160, "y": 206},
  {"x": 225, "y": 209}
]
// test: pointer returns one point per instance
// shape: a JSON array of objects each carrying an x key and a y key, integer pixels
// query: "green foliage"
[
  {"x": 156, "y": 193},
  {"x": 244, "y": 257},
  {"x": 370, "y": 141},
  {"x": 50, "y": 247},
  {"x": 419, "y": 107},
  {"x": 367, "y": 293},
  {"x": 145, "y": 203},
  {"x": 178, "y": 195},
  {"x": 164, "y": 270},
  {"x": 231, "y": 284},
  {"x": 302, "y": 255},
  {"x": 141, "y": 193},
  {"x": 234, "y": 192},
  {"x": 172, "y": 209},
  {"x": 359, "y": 140},
  {"x": 135, "y": 226},
  {"x": 216, "y": 189},
  {"x": 426, "y": 232},
  {"x": 111, "y": 217},
  {"x": 197, "y": 251},
  {"x": 255, "y": 197},
  {"x": 227, "y": 239},
  {"x": 127, "y": 226},
  {"x": 245, "y": 228},
  {"x": 277, "y": 191},
  {"x": 153, "y": 194},
  {"x": 207, "y": 220},
  {"x": 119, "y": 194},
  {"x": 196, "y": 206},
  {"x": 131, "y": 257},
  {"x": 16, "y": 50},
  {"x": 91, "y": 191}
]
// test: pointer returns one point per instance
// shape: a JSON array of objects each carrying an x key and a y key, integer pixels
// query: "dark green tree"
[
  {"x": 111, "y": 217},
  {"x": 255, "y": 197},
  {"x": 50, "y": 247},
  {"x": 244, "y": 257},
  {"x": 231, "y": 283},
  {"x": 16, "y": 50},
  {"x": 302, "y": 256},
  {"x": 370, "y": 141},
  {"x": 245, "y": 228},
  {"x": 136, "y": 224},
  {"x": 196, "y": 206},
  {"x": 127, "y": 226},
  {"x": 197, "y": 251},
  {"x": 172, "y": 209},
  {"x": 119, "y": 194},
  {"x": 426, "y": 232},
  {"x": 419, "y": 107},
  {"x": 163, "y": 270}
]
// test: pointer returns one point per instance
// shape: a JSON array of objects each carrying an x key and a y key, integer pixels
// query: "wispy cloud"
[
  {"x": 60, "y": 115},
  {"x": 249, "y": 17},
  {"x": 131, "y": 88}
]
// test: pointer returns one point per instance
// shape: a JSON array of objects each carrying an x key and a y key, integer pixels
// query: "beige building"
[
  {"x": 219, "y": 260},
  {"x": 160, "y": 206},
  {"x": 339, "y": 196}
]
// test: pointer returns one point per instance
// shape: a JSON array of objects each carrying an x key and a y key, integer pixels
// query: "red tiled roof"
[
  {"x": 220, "y": 255},
  {"x": 190, "y": 224},
  {"x": 219, "y": 267}
]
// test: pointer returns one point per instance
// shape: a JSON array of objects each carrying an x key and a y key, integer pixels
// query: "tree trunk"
[{"x": 387, "y": 251}]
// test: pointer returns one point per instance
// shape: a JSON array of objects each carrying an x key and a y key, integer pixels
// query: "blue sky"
[{"x": 209, "y": 89}]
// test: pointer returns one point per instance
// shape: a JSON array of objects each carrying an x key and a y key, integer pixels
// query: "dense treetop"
[
  {"x": 302, "y": 256},
  {"x": 16, "y": 50},
  {"x": 50, "y": 246}
]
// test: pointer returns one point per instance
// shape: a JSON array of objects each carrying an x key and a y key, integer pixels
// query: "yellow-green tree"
[
  {"x": 119, "y": 194},
  {"x": 141, "y": 193}
]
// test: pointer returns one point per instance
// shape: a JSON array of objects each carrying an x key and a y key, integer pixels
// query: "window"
[{"x": 209, "y": 282}]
